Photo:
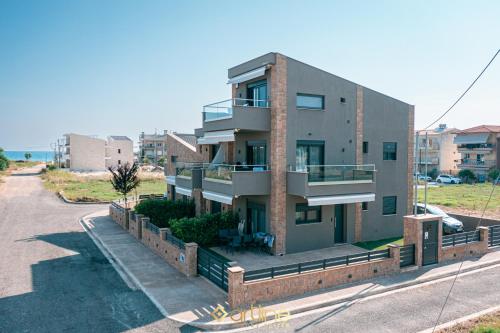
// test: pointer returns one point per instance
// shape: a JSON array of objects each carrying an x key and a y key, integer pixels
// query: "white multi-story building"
[
  {"x": 89, "y": 153},
  {"x": 442, "y": 153}
]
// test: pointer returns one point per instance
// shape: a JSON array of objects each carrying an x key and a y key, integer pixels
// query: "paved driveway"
[{"x": 52, "y": 276}]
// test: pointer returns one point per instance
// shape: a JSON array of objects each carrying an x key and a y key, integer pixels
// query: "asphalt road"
[
  {"x": 52, "y": 276},
  {"x": 411, "y": 310}
]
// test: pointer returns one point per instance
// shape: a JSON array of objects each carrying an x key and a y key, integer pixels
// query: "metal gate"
[
  {"x": 494, "y": 236},
  {"x": 429, "y": 242},
  {"x": 213, "y": 267}
]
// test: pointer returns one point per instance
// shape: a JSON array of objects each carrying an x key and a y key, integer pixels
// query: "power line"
[
  {"x": 463, "y": 256},
  {"x": 465, "y": 92}
]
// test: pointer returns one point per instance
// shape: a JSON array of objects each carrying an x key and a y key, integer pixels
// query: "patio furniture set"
[{"x": 234, "y": 240}]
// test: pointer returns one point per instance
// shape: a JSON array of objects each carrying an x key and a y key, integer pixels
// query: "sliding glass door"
[
  {"x": 308, "y": 155},
  {"x": 257, "y": 93}
]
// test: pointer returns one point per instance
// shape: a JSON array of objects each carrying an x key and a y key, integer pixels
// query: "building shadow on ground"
[{"x": 77, "y": 292}]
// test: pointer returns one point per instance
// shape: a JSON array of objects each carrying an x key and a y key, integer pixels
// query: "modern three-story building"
[{"x": 308, "y": 157}]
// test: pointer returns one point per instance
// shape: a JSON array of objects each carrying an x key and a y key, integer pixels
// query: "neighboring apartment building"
[
  {"x": 480, "y": 149},
  {"x": 306, "y": 156},
  {"x": 442, "y": 153},
  {"x": 89, "y": 153},
  {"x": 152, "y": 146}
]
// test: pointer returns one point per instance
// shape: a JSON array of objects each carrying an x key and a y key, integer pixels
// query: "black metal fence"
[
  {"x": 461, "y": 238},
  {"x": 151, "y": 196},
  {"x": 494, "y": 236},
  {"x": 272, "y": 272},
  {"x": 407, "y": 255},
  {"x": 174, "y": 240},
  {"x": 153, "y": 228},
  {"x": 213, "y": 267}
]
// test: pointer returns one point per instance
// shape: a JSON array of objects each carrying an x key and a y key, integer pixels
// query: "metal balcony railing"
[{"x": 224, "y": 109}]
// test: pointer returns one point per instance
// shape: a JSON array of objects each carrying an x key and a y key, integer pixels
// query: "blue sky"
[{"x": 120, "y": 67}]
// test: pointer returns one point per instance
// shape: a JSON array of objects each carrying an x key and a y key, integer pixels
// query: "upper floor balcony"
[
  {"x": 237, "y": 113},
  {"x": 237, "y": 180},
  {"x": 478, "y": 147},
  {"x": 188, "y": 175},
  {"x": 327, "y": 180},
  {"x": 476, "y": 164}
]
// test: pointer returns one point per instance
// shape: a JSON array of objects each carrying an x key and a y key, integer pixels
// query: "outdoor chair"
[
  {"x": 235, "y": 244},
  {"x": 248, "y": 241},
  {"x": 224, "y": 236}
]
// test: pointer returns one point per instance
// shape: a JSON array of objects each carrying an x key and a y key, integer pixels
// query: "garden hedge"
[{"x": 161, "y": 212}]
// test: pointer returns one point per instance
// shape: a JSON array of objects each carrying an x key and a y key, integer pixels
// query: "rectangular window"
[
  {"x": 216, "y": 207},
  {"x": 389, "y": 205},
  {"x": 364, "y": 205},
  {"x": 315, "y": 102},
  {"x": 365, "y": 147},
  {"x": 390, "y": 151},
  {"x": 119, "y": 162},
  {"x": 119, "y": 151},
  {"x": 307, "y": 214}
]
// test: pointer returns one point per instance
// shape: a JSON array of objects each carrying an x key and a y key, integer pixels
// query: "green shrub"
[
  {"x": 162, "y": 211},
  {"x": 4, "y": 161},
  {"x": 203, "y": 230},
  {"x": 493, "y": 174},
  {"x": 467, "y": 175},
  {"x": 51, "y": 167}
]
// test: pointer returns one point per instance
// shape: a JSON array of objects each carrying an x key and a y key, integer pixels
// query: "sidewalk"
[{"x": 191, "y": 300}]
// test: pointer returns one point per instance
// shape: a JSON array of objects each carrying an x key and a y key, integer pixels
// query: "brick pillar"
[
  {"x": 278, "y": 153},
  {"x": 235, "y": 294},
  {"x": 138, "y": 222},
  {"x": 395, "y": 254},
  {"x": 142, "y": 229},
  {"x": 484, "y": 235},
  {"x": 199, "y": 202},
  {"x": 411, "y": 148},
  {"x": 358, "y": 216},
  {"x": 413, "y": 233},
  {"x": 191, "y": 257}
]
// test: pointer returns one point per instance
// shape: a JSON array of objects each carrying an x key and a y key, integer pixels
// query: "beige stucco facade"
[
  {"x": 88, "y": 153},
  {"x": 442, "y": 153}
]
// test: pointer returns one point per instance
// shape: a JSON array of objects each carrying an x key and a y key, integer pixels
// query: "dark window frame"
[
  {"x": 299, "y": 107},
  {"x": 303, "y": 207},
  {"x": 390, "y": 155},
  {"x": 365, "y": 147},
  {"x": 364, "y": 206},
  {"x": 393, "y": 206}
]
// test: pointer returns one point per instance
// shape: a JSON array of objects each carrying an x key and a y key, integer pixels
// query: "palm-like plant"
[{"x": 125, "y": 179}]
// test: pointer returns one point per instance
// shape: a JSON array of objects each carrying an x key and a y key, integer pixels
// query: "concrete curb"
[
  {"x": 462, "y": 320},
  {"x": 219, "y": 326},
  {"x": 60, "y": 194}
]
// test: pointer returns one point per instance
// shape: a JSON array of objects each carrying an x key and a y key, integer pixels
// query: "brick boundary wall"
[
  {"x": 119, "y": 215},
  {"x": 467, "y": 250},
  {"x": 135, "y": 226},
  {"x": 170, "y": 252},
  {"x": 245, "y": 293}
]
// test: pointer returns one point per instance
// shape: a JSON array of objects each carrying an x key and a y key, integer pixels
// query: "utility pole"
[
  {"x": 426, "y": 164},
  {"x": 415, "y": 175}
]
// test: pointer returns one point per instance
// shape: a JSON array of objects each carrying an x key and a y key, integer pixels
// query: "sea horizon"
[{"x": 36, "y": 155}]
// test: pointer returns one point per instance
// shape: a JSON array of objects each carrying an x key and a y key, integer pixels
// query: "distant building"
[
  {"x": 442, "y": 153},
  {"x": 480, "y": 149},
  {"x": 152, "y": 146},
  {"x": 89, "y": 153}
]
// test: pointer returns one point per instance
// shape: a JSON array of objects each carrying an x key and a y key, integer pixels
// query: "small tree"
[
  {"x": 125, "y": 179},
  {"x": 146, "y": 160},
  {"x": 493, "y": 174},
  {"x": 4, "y": 161},
  {"x": 161, "y": 161},
  {"x": 27, "y": 156},
  {"x": 467, "y": 175}
]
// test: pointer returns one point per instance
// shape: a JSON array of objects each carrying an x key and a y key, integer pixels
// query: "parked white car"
[
  {"x": 448, "y": 179},
  {"x": 423, "y": 178}
]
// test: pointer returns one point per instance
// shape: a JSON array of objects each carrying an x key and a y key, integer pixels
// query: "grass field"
[
  {"x": 91, "y": 188},
  {"x": 464, "y": 198},
  {"x": 380, "y": 244},
  {"x": 484, "y": 324}
]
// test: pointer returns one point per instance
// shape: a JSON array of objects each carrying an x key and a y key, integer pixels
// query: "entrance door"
[
  {"x": 430, "y": 242},
  {"x": 257, "y": 93},
  {"x": 339, "y": 224},
  {"x": 256, "y": 218}
]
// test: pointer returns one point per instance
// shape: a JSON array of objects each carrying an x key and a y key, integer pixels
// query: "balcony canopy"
[
  {"x": 215, "y": 137},
  {"x": 340, "y": 199},
  {"x": 184, "y": 191},
  {"x": 219, "y": 197},
  {"x": 471, "y": 139},
  {"x": 248, "y": 75}
]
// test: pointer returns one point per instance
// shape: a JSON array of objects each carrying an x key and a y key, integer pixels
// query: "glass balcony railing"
[
  {"x": 226, "y": 171},
  {"x": 185, "y": 169},
  {"x": 338, "y": 173},
  {"x": 224, "y": 109}
]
